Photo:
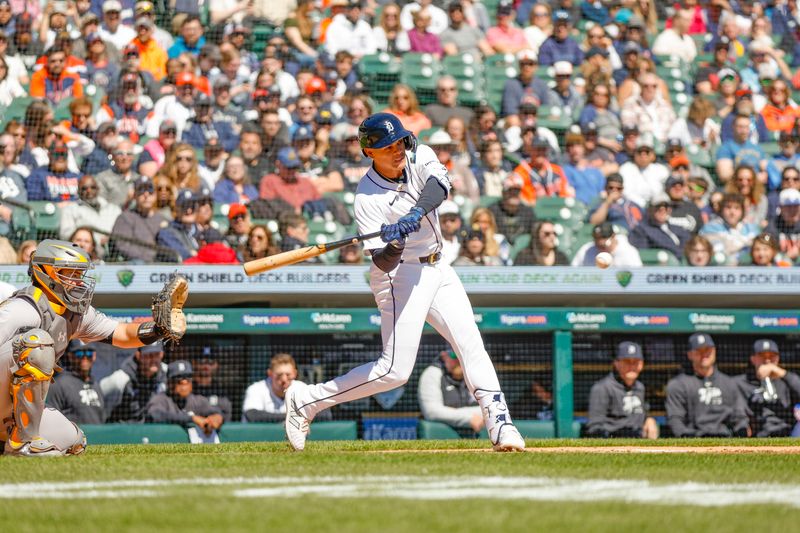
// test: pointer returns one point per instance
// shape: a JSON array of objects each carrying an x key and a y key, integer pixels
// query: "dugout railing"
[{"x": 546, "y": 358}]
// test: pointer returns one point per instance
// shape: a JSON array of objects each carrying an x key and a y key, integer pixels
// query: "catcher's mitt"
[{"x": 168, "y": 308}]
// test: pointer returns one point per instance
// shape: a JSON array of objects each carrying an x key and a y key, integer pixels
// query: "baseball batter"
[
  {"x": 36, "y": 324},
  {"x": 399, "y": 196}
]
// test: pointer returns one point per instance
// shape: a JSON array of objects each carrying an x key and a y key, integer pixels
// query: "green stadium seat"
[
  {"x": 554, "y": 118},
  {"x": 657, "y": 257},
  {"x": 47, "y": 219},
  {"x": 770, "y": 148},
  {"x": 135, "y": 433},
  {"x": 16, "y": 110},
  {"x": 239, "y": 432},
  {"x": 520, "y": 243},
  {"x": 427, "y": 430},
  {"x": 261, "y": 35}
]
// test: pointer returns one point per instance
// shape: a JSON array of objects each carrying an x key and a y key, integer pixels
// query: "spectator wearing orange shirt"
[
  {"x": 404, "y": 105},
  {"x": 540, "y": 177},
  {"x": 152, "y": 58},
  {"x": 779, "y": 113},
  {"x": 53, "y": 83},
  {"x": 286, "y": 184}
]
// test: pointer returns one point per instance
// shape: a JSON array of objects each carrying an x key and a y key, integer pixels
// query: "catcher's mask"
[{"x": 60, "y": 268}]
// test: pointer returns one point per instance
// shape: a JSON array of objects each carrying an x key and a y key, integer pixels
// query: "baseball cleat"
[
  {"x": 296, "y": 424},
  {"x": 509, "y": 440},
  {"x": 35, "y": 448}
]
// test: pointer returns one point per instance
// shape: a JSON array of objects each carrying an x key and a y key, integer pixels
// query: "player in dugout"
[
  {"x": 399, "y": 196},
  {"x": 617, "y": 407},
  {"x": 705, "y": 402},
  {"x": 55, "y": 309},
  {"x": 771, "y": 392}
]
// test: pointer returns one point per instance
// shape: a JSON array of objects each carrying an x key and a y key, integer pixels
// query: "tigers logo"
[
  {"x": 125, "y": 277},
  {"x": 624, "y": 278},
  {"x": 389, "y": 127}
]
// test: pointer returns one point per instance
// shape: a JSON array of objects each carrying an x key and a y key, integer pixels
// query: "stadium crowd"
[{"x": 660, "y": 132}]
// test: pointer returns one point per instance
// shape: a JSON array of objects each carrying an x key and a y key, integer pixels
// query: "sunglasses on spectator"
[
  {"x": 170, "y": 132},
  {"x": 83, "y": 353},
  {"x": 614, "y": 187},
  {"x": 548, "y": 234},
  {"x": 122, "y": 152},
  {"x": 145, "y": 189},
  {"x": 790, "y": 179},
  {"x": 186, "y": 158}
]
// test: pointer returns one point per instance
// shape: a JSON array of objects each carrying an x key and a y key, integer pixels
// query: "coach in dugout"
[
  {"x": 770, "y": 391},
  {"x": 705, "y": 402},
  {"x": 616, "y": 403},
  {"x": 444, "y": 396}
]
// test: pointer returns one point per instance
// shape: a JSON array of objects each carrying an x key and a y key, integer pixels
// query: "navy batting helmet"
[{"x": 382, "y": 129}]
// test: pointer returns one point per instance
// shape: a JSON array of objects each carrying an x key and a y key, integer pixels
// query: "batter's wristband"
[{"x": 149, "y": 332}]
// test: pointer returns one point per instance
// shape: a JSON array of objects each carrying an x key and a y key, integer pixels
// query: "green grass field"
[{"x": 402, "y": 486}]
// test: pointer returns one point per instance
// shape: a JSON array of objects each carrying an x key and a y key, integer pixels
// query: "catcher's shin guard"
[{"x": 34, "y": 357}]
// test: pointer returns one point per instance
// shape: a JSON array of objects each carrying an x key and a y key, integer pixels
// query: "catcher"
[{"x": 59, "y": 303}]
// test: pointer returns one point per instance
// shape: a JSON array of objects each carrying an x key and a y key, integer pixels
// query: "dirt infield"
[{"x": 727, "y": 450}]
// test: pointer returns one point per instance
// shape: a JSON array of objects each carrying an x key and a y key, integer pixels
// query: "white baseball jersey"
[
  {"x": 383, "y": 201},
  {"x": 408, "y": 296}
]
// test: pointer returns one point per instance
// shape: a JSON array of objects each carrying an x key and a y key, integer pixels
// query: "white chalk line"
[{"x": 428, "y": 488}]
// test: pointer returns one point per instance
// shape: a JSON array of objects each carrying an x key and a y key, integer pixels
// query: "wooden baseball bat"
[{"x": 257, "y": 266}]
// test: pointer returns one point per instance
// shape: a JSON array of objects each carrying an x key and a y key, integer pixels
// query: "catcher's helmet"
[
  {"x": 382, "y": 129},
  {"x": 59, "y": 268}
]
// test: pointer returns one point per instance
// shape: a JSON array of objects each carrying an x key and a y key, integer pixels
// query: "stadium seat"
[
  {"x": 239, "y": 432},
  {"x": 16, "y": 110},
  {"x": 135, "y": 433},
  {"x": 520, "y": 243},
  {"x": 47, "y": 219},
  {"x": 657, "y": 257},
  {"x": 427, "y": 430},
  {"x": 380, "y": 72}
]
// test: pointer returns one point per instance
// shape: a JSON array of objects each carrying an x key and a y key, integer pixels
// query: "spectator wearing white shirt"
[
  {"x": 439, "y": 20},
  {"x": 264, "y": 399},
  {"x": 176, "y": 107},
  {"x": 643, "y": 178},
  {"x": 649, "y": 111},
  {"x": 676, "y": 41},
  {"x": 348, "y": 31},
  {"x": 606, "y": 240},
  {"x": 112, "y": 29}
]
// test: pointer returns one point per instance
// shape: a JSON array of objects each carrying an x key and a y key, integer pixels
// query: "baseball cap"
[
  {"x": 237, "y": 28},
  {"x": 448, "y": 207},
  {"x": 644, "y": 141},
  {"x": 144, "y": 6},
  {"x": 527, "y": 55},
  {"x": 573, "y": 138},
  {"x": 221, "y": 81},
  {"x": 623, "y": 16},
  {"x": 152, "y": 348},
  {"x": 184, "y": 78},
  {"x": 673, "y": 144},
  {"x": 324, "y": 117},
  {"x": 202, "y": 99},
  {"x": 344, "y": 131},
  {"x": 184, "y": 198},
  {"x": 58, "y": 7},
  {"x": 561, "y": 16},
  {"x": 629, "y": 129},
  {"x": 302, "y": 134},
  {"x": 513, "y": 181},
  {"x": 540, "y": 142},
  {"x": 235, "y": 210},
  {"x": 144, "y": 21},
  {"x": 179, "y": 369},
  {"x": 629, "y": 350},
  {"x": 743, "y": 92},
  {"x": 562, "y": 68},
  {"x": 472, "y": 233},
  {"x": 440, "y": 138},
  {"x": 208, "y": 353},
  {"x": 143, "y": 184},
  {"x": 288, "y": 157},
  {"x": 168, "y": 125},
  {"x": 130, "y": 49},
  {"x": 672, "y": 181},
  {"x": 660, "y": 199},
  {"x": 727, "y": 73},
  {"x": 604, "y": 230},
  {"x": 679, "y": 160},
  {"x": 106, "y": 127},
  {"x": 212, "y": 52},
  {"x": 455, "y": 5},
  {"x": 636, "y": 22},
  {"x": 316, "y": 85},
  {"x": 767, "y": 71},
  {"x": 596, "y": 51},
  {"x": 528, "y": 108},
  {"x": 111, "y": 5},
  {"x": 789, "y": 197},
  {"x": 765, "y": 345},
  {"x": 701, "y": 340},
  {"x": 505, "y": 9},
  {"x": 757, "y": 46},
  {"x": 631, "y": 48},
  {"x": 92, "y": 37}
]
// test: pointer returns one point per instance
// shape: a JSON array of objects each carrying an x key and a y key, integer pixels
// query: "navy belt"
[{"x": 429, "y": 259}]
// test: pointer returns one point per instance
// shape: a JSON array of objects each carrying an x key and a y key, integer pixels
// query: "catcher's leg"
[{"x": 35, "y": 362}]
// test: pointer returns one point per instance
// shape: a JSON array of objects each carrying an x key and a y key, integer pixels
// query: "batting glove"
[
  {"x": 411, "y": 222},
  {"x": 392, "y": 233}
]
